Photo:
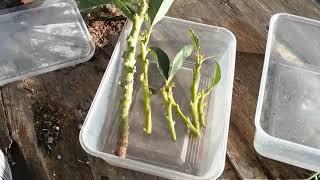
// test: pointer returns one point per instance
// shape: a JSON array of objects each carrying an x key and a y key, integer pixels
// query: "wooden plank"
[
  {"x": 19, "y": 119},
  {"x": 102, "y": 170},
  {"x": 240, "y": 143},
  {"x": 229, "y": 172},
  {"x": 73, "y": 89},
  {"x": 242, "y": 158},
  {"x": 66, "y": 89},
  {"x": 5, "y": 139},
  {"x": 248, "y": 20}
]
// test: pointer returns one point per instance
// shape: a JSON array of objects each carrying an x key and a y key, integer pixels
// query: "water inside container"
[
  {"x": 159, "y": 148},
  {"x": 294, "y": 107}
]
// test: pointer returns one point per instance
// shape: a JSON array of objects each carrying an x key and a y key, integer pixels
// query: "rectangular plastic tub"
[
  {"x": 41, "y": 37},
  {"x": 158, "y": 154},
  {"x": 288, "y": 117}
]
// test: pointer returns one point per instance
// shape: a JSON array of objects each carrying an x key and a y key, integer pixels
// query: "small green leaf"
[
  {"x": 216, "y": 75},
  {"x": 85, "y": 4},
  {"x": 158, "y": 9},
  {"x": 163, "y": 61},
  {"x": 152, "y": 91},
  {"x": 195, "y": 40},
  {"x": 127, "y": 11},
  {"x": 182, "y": 55}
]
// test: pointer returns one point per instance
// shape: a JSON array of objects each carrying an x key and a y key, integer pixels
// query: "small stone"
[
  {"x": 80, "y": 126},
  {"x": 57, "y": 128},
  {"x": 50, "y": 140},
  {"x": 45, "y": 115},
  {"x": 54, "y": 174},
  {"x": 59, "y": 157}
]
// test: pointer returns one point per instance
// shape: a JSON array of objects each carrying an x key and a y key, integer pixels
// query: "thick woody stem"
[{"x": 129, "y": 69}]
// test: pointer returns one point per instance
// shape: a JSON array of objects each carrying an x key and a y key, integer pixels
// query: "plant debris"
[{"x": 46, "y": 120}]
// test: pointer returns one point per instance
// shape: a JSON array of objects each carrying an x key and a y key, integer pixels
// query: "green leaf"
[
  {"x": 194, "y": 38},
  {"x": 182, "y": 55},
  {"x": 216, "y": 75},
  {"x": 127, "y": 7},
  {"x": 85, "y": 4},
  {"x": 127, "y": 11},
  {"x": 158, "y": 9},
  {"x": 152, "y": 91},
  {"x": 132, "y": 5},
  {"x": 163, "y": 61}
]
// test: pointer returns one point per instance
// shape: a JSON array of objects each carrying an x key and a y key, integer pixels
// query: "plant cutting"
[
  {"x": 198, "y": 97},
  {"x": 168, "y": 72},
  {"x": 137, "y": 11},
  {"x": 188, "y": 156},
  {"x": 157, "y": 10}
]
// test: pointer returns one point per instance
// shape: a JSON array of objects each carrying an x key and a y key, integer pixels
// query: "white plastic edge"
[
  {"x": 62, "y": 64},
  {"x": 259, "y": 129},
  {"x": 139, "y": 166}
]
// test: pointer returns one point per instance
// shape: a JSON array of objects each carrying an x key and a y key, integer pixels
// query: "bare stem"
[
  {"x": 129, "y": 69},
  {"x": 171, "y": 103},
  {"x": 185, "y": 119},
  {"x": 166, "y": 92},
  {"x": 194, "y": 91},
  {"x": 145, "y": 80}
]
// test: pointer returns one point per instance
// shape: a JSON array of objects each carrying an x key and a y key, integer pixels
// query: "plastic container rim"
[{"x": 128, "y": 162}]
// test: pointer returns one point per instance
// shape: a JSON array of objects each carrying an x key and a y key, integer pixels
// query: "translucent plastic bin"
[
  {"x": 158, "y": 154},
  {"x": 41, "y": 37},
  {"x": 288, "y": 117}
]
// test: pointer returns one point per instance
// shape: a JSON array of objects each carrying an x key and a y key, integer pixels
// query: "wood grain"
[
  {"x": 248, "y": 20},
  {"x": 5, "y": 139},
  {"x": 73, "y": 89},
  {"x": 240, "y": 143}
]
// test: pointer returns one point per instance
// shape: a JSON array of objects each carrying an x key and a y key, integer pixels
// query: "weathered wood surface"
[
  {"x": 247, "y": 19},
  {"x": 72, "y": 90}
]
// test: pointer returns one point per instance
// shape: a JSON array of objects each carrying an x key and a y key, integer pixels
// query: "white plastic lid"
[{"x": 42, "y": 37}]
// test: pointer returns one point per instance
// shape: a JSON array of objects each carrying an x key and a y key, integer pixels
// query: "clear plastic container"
[
  {"x": 41, "y": 37},
  {"x": 158, "y": 154},
  {"x": 288, "y": 117}
]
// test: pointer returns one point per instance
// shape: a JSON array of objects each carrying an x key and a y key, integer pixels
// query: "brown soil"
[
  {"x": 104, "y": 22},
  {"x": 46, "y": 120}
]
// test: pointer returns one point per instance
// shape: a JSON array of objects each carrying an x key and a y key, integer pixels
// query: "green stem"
[
  {"x": 145, "y": 80},
  {"x": 171, "y": 103},
  {"x": 194, "y": 91},
  {"x": 201, "y": 106},
  {"x": 185, "y": 119},
  {"x": 201, "y": 109},
  {"x": 129, "y": 69},
  {"x": 166, "y": 92}
]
